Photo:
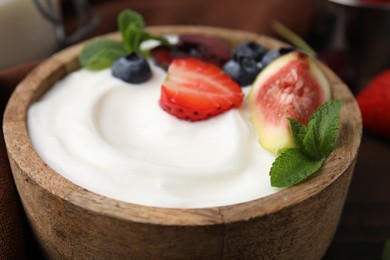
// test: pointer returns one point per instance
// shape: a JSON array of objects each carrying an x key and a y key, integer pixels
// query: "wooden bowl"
[{"x": 72, "y": 222}]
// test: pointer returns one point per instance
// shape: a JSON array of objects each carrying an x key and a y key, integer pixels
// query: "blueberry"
[
  {"x": 192, "y": 49},
  {"x": 243, "y": 71},
  {"x": 249, "y": 49},
  {"x": 272, "y": 55},
  {"x": 132, "y": 68}
]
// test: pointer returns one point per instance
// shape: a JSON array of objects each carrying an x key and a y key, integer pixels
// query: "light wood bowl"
[{"x": 71, "y": 222}]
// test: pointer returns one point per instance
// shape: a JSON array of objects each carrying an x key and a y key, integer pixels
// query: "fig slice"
[{"x": 292, "y": 86}]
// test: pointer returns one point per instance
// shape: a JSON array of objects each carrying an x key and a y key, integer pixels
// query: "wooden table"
[{"x": 365, "y": 223}]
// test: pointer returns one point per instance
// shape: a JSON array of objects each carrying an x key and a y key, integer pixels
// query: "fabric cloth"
[{"x": 12, "y": 233}]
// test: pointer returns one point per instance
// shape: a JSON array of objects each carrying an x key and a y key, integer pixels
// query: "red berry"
[
  {"x": 374, "y": 103},
  {"x": 195, "y": 90}
]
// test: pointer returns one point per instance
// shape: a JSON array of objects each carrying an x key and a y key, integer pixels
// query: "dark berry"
[
  {"x": 162, "y": 56},
  {"x": 243, "y": 71},
  {"x": 132, "y": 68},
  {"x": 249, "y": 50},
  {"x": 272, "y": 55},
  {"x": 191, "y": 48},
  {"x": 206, "y": 48}
]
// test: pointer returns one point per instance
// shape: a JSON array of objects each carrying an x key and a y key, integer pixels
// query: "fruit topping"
[
  {"x": 243, "y": 71},
  {"x": 100, "y": 54},
  {"x": 374, "y": 103},
  {"x": 206, "y": 48},
  {"x": 132, "y": 68},
  {"x": 249, "y": 49},
  {"x": 293, "y": 86},
  {"x": 163, "y": 56},
  {"x": 209, "y": 49},
  {"x": 245, "y": 63},
  {"x": 274, "y": 54},
  {"x": 195, "y": 90}
]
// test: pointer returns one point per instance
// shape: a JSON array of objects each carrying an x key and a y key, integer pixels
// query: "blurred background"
[{"x": 351, "y": 36}]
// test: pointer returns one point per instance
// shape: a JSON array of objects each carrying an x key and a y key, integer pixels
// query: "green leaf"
[
  {"x": 322, "y": 130},
  {"x": 130, "y": 18},
  {"x": 100, "y": 54},
  {"x": 292, "y": 167},
  {"x": 313, "y": 143},
  {"x": 132, "y": 39},
  {"x": 132, "y": 26},
  {"x": 298, "y": 132}
]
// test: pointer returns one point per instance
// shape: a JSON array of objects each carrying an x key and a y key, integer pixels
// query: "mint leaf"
[
  {"x": 100, "y": 54},
  {"x": 322, "y": 130},
  {"x": 130, "y": 18},
  {"x": 132, "y": 39},
  {"x": 292, "y": 167},
  {"x": 132, "y": 28},
  {"x": 298, "y": 132},
  {"x": 314, "y": 144}
]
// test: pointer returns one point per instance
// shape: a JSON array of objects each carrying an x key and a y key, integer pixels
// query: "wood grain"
[{"x": 72, "y": 222}]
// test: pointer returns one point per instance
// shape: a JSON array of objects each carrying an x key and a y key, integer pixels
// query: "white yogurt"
[{"x": 112, "y": 138}]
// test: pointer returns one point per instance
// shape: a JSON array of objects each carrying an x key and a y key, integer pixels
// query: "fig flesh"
[{"x": 292, "y": 86}]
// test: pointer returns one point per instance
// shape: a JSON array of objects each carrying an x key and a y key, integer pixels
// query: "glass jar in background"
[
  {"x": 353, "y": 38},
  {"x": 33, "y": 29},
  {"x": 24, "y": 34}
]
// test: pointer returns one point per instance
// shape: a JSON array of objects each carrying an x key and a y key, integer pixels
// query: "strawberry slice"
[
  {"x": 195, "y": 90},
  {"x": 374, "y": 103}
]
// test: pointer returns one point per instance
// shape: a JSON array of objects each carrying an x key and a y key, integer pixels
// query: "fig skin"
[{"x": 291, "y": 86}]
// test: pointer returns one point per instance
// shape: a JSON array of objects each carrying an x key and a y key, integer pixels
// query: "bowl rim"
[{"x": 21, "y": 152}]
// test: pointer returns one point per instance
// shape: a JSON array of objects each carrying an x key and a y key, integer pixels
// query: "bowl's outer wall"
[
  {"x": 70, "y": 222},
  {"x": 66, "y": 231}
]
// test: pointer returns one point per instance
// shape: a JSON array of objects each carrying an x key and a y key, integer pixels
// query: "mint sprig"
[
  {"x": 314, "y": 143},
  {"x": 101, "y": 53}
]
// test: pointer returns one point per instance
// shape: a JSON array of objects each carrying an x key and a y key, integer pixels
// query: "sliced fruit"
[
  {"x": 292, "y": 86},
  {"x": 194, "y": 90},
  {"x": 206, "y": 48},
  {"x": 374, "y": 103}
]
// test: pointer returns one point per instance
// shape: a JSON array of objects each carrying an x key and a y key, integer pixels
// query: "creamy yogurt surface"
[{"x": 112, "y": 138}]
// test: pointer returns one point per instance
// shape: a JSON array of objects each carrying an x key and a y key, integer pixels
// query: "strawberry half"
[
  {"x": 195, "y": 90},
  {"x": 374, "y": 103}
]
